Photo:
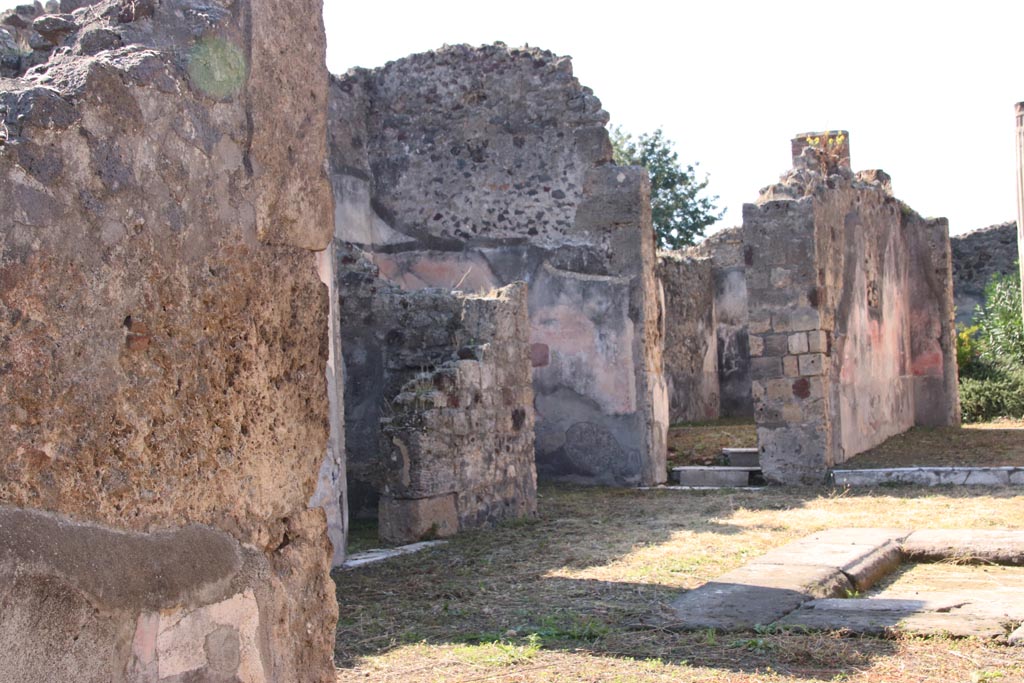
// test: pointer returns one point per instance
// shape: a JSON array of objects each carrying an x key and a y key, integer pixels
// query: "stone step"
[
  {"x": 715, "y": 475},
  {"x": 741, "y": 457}
]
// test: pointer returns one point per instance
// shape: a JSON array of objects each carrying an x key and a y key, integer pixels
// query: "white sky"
[{"x": 926, "y": 89}]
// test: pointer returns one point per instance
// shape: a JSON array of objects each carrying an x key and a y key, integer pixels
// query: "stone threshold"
[
  {"x": 676, "y": 487},
  {"x": 814, "y": 583},
  {"x": 380, "y": 554},
  {"x": 930, "y": 476}
]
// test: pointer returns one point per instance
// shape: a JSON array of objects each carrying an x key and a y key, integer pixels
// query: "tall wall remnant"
[
  {"x": 163, "y": 347},
  {"x": 851, "y": 314},
  {"x": 691, "y": 338},
  {"x": 1019, "y": 111},
  {"x": 474, "y": 168},
  {"x": 977, "y": 256},
  {"x": 439, "y": 404},
  {"x": 725, "y": 249}
]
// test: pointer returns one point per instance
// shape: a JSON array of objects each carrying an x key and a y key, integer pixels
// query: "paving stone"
[
  {"x": 997, "y": 547},
  {"x": 876, "y": 616},
  {"x": 755, "y": 594},
  {"x": 864, "y": 555}
]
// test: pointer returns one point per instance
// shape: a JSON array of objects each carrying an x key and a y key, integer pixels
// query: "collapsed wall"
[
  {"x": 163, "y": 348},
  {"x": 728, "y": 268},
  {"x": 473, "y": 168},
  {"x": 851, "y": 314},
  {"x": 977, "y": 257},
  {"x": 438, "y": 400},
  {"x": 691, "y": 338}
]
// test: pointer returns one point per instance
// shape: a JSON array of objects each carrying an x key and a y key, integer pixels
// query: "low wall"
[{"x": 439, "y": 404}]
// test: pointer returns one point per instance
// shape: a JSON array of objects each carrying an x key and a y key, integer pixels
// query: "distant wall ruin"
[
  {"x": 439, "y": 404},
  {"x": 163, "y": 348},
  {"x": 472, "y": 168},
  {"x": 977, "y": 256},
  {"x": 850, "y": 291},
  {"x": 725, "y": 249},
  {"x": 691, "y": 337}
]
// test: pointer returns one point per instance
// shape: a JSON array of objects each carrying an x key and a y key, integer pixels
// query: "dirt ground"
[
  {"x": 986, "y": 444},
  {"x": 569, "y": 596}
]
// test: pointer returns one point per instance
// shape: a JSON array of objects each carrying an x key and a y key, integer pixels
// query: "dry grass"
[
  {"x": 700, "y": 443},
  {"x": 986, "y": 444},
  {"x": 568, "y": 596}
]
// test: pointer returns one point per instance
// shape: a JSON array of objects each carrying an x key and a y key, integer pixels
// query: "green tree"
[{"x": 679, "y": 212}]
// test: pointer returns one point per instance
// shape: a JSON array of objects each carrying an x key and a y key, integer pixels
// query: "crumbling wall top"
[{"x": 477, "y": 145}]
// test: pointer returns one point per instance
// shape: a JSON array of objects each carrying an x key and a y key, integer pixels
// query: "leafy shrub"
[
  {"x": 1001, "y": 395},
  {"x": 1000, "y": 329},
  {"x": 967, "y": 352},
  {"x": 991, "y": 354}
]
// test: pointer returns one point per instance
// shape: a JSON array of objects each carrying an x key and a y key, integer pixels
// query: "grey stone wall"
[
  {"x": 852, "y": 338},
  {"x": 725, "y": 249},
  {"x": 472, "y": 168},
  {"x": 163, "y": 349},
  {"x": 691, "y": 338},
  {"x": 977, "y": 256},
  {"x": 438, "y": 404}
]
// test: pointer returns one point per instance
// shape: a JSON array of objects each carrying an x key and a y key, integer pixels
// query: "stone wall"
[
  {"x": 163, "y": 349},
  {"x": 725, "y": 249},
  {"x": 473, "y": 168},
  {"x": 852, "y": 337},
  {"x": 439, "y": 404},
  {"x": 977, "y": 256},
  {"x": 691, "y": 339}
]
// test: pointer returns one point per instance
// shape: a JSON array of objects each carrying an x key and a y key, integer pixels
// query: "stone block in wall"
[{"x": 403, "y": 520}]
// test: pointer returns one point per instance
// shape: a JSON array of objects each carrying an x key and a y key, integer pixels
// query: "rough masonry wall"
[
  {"x": 163, "y": 347},
  {"x": 474, "y": 168},
  {"x": 725, "y": 249},
  {"x": 850, "y": 318},
  {"x": 459, "y": 447},
  {"x": 439, "y": 404},
  {"x": 691, "y": 339},
  {"x": 978, "y": 256}
]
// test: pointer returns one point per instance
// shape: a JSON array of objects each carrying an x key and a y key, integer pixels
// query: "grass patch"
[
  {"x": 987, "y": 444},
  {"x": 498, "y": 653},
  {"x": 701, "y": 443},
  {"x": 573, "y": 595}
]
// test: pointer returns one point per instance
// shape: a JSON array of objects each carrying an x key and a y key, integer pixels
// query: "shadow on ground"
[{"x": 596, "y": 570}]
